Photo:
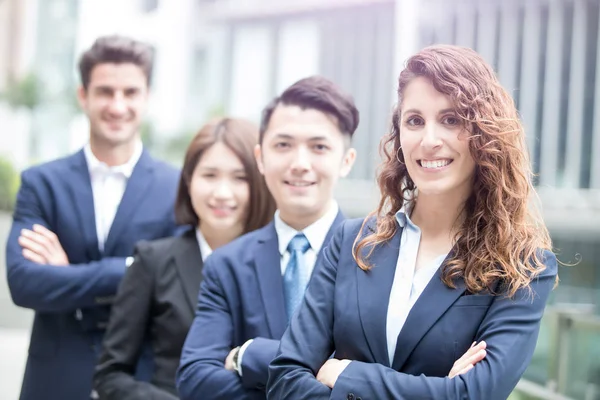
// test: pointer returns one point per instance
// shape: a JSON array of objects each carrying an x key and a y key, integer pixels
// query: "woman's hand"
[
  {"x": 468, "y": 360},
  {"x": 331, "y": 370}
]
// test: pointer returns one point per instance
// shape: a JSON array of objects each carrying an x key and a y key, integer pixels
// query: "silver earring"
[{"x": 398, "y": 155}]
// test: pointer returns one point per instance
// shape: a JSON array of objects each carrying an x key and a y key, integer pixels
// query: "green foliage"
[
  {"x": 147, "y": 134},
  {"x": 175, "y": 148},
  {"x": 172, "y": 147},
  {"x": 26, "y": 93},
  {"x": 9, "y": 184},
  {"x": 517, "y": 395},
  {"x": 68, "y": 97},
  {"x": 216, "y": 111}
]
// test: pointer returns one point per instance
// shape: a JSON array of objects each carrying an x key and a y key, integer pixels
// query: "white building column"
[
  {"x": 407, "y": 35},
  {"x": 174, "y": 40}
]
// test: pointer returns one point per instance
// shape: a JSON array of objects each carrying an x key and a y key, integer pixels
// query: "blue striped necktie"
[{"x": 296, "y": 274}]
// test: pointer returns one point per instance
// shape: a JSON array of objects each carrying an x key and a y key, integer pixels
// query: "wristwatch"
[{"x": 235, "y": 359}]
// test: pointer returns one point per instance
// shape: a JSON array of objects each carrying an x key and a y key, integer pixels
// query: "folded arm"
[
  {"x": 50, "y": 288},
  {"x": 255, "y": 362},
  {"x": 510, "y": 329},
  {"x": 202, "y": 372}
]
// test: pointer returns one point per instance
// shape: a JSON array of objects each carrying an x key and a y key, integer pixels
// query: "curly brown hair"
[{"x": 501, "y": 234}]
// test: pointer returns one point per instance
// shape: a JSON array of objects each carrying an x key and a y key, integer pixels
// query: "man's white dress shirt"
[{"x": 108, "y": 186}]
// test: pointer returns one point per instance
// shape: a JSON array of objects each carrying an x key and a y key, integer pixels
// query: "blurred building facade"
[
  {"x": 37, "y": 38},
  {"x": 15, "y": 57},
  {"x": 11, "y": 38},
  {"x": 233, "y": 56}
]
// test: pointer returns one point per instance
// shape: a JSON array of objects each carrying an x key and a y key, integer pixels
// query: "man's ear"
[
  {"x": 258, "y": 157},
  {"x": 348, "y": 162},
  {"x": 81, "y": 97}
]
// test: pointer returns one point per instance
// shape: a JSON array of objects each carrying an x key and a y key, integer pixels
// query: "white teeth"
[
  {"x": 434, "y": 164},
  {"x": 299, "y": 183}
]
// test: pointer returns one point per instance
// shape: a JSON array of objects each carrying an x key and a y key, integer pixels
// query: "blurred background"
[{"x": 217, "y": 57}]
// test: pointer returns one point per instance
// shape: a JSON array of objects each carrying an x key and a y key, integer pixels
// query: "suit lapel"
[
  {"x": 431, "y": 305},
  {"x": 137, "y": 185},
  {"x": 81, "y": 189},
  {"x": 188, "y": 262},
  {"x": 374, "y": 288},
  {"x": 267, "y": 262},
  {"x": 336, "y": 222}
]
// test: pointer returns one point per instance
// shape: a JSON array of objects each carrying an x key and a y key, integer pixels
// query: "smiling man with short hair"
[
  {"x": 78, "y": 218},
  {"x": 253, "y": 286}
]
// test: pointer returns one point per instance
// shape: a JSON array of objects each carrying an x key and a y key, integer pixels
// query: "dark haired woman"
[{"x": 222, "y": 196}]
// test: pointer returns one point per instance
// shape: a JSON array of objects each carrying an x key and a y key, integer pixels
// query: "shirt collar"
[
  {"x": 95, "y": 165},
  {"x": 205, "y": 249},
  {"x": 403, "y": 215},
  {"x": 315, "y": 233}
]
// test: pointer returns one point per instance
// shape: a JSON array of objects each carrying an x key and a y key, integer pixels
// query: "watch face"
[{"x": 235, "y": 357}]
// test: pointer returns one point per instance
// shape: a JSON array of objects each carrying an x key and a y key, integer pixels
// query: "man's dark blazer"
[
  {"x": 72, "y": 303},
  {"x": 241, "y": 298},
  {"x": 345, "y": 310},
  {"x": 156, "y": 302}
]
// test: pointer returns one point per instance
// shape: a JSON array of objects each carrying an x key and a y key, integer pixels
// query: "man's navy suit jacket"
[
  {"x": 72, "y": 303},
  {"x": 241, "y": 298}
]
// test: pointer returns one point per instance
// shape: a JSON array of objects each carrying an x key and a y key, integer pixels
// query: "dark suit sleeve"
[
  {"x": 255, "y": 362},
  {"x": 124, "y": 337},
  {"x": 510, "y": 329},
  {"x": 53, "y": 288},
  {"x": 202, "y": 373}
]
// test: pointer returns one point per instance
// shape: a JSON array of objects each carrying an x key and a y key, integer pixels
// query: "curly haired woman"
[{"x": 454, "y": 254}]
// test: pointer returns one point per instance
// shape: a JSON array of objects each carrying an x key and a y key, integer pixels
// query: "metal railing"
[{"x": 572, "y": 349}]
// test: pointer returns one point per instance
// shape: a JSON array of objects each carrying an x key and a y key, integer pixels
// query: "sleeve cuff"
[
  {"x": 241, "y": 356},
  {"x": 343, "y": 385}
]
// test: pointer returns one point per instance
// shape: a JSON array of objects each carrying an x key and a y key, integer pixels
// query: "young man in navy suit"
[
  {"x": 78, "y": 218},
  {"x": 252, "y": 286}
]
